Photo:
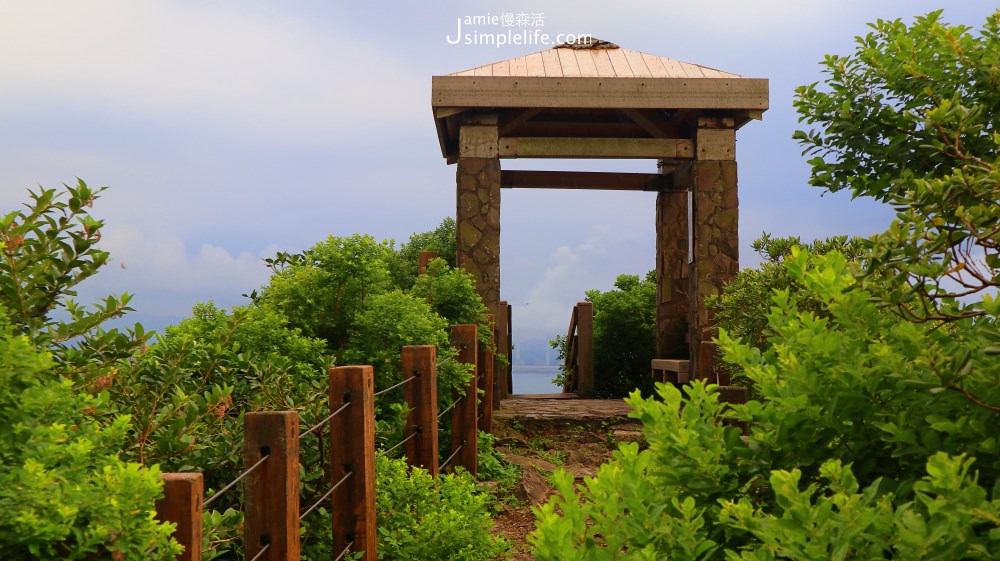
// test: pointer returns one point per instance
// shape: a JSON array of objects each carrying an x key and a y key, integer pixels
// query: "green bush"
[
  {"x": 624, "y": 337},
  {"x": 423, "y": 517},
  {"x": 857, "y": 410},
  {"x": 64, "y": 491}
]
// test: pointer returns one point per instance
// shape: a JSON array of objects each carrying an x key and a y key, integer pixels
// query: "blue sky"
[{"x": 230, "y": 130}]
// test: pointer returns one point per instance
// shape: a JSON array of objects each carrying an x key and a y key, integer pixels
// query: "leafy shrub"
[
  {"x": 406, "y": 261},
  {"x": 48, "y": 249},
  {"x": 423, "y": 517},
  {"x": 64, "y": 491},
  {"x": 868, "y": 432},
  {"x": 624, "y": 336}
]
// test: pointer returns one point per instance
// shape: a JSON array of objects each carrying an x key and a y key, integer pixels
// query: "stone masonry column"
[
  {"x": 477, "y": 223},
  {"x": 716, "y": 234},
  {"x": 671, "y": 273}
]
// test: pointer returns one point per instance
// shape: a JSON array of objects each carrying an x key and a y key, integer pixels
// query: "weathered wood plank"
[
  {"x": 557, "y": 147},
  {"x": 352, "y": 451},
  {"x": 601, "y": 180},
  {"x": 550, "y": 63},
  {"x": 602, "y": 62},
  {"x": 464, "y": 428},
  {"x": 271, "y": 492},
  {"x": 501, "y": 68},
  {"x": 487, "y": 361},
  {"x": 567, "y": 61},
  {"x": 533, "y": 65},
  {"x": 637, "y": 64},
  {"x": 640, "y": 93},
  {"x": 421, "y": 396},
  {"x": 585, "y": 62},
  {"x": 183, "y": 494},
  {"x": 585, "y": 353},
  {"x": 619, "y": 63},
  {"x": 655, "y": 66}
]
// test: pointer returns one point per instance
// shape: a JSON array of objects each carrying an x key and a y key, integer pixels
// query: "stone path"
[{"x": 560, "y": 407}]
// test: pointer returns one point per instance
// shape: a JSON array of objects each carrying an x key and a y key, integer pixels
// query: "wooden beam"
[
  {"x": 443, "y": 112},
  {"x": 519, "y": 120},
  {"x": 655, "y": 129},
  {"x": 598, "y": 180},
  {"x": 558, "y": 147},
  {"x": 622, "y": 93}
]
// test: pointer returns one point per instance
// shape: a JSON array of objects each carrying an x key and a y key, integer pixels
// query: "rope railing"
[{"x": 233, "y": 483}]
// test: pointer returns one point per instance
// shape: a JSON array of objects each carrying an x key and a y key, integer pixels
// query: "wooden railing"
[
  {"x": 270, "y": 479},
  {"x": 579, "y": 361}
]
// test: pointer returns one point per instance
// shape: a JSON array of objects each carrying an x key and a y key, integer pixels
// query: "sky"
[{"x": 227, "y": 131}]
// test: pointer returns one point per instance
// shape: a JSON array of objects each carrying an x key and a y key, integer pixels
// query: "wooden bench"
[{"x": 671, "y": 370}]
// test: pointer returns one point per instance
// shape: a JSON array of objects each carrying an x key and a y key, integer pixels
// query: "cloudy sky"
[{"x": 229, "y": 130}]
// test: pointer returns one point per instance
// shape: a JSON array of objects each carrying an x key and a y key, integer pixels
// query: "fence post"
[
  {"x": 503, "y": 341},
  {"x": 425, "y": 258},
  {"x": 585, "y": 352},
  {"x": 421, "y": 396},
  {"x": 464, "y": 428},
  {"x": 183, "y": 494},
  {"x": 509, "y": 349},
  {"x": 486, "y": 364},
  {"x": 352, "y": 450},
  {"x": 271, "y": 494}
]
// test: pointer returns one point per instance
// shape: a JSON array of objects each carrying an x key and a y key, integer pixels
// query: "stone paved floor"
[{"x": 560, "y": 407}]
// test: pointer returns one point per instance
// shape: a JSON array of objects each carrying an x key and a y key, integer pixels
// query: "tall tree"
[{"x": 912, "y": 118}]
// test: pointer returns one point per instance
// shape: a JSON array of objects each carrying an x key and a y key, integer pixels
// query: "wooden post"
[
  {"x": 183, "y": 494},
  {"x": 509, "y": 349},
  {"x": 425, "y": 258},
  {"x": 464, "y": 429},
  {"x": 271, "y": 494},
  {"x": 352, "y": 450},
  {"x": 585, "y": 352},
  {"x": 421, "y": 396},
  {"x": 486, "y": 364},
  {"x": 503, "y": 342}
]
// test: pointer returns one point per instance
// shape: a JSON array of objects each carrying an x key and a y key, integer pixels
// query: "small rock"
[{"x": 533, "y": 489}]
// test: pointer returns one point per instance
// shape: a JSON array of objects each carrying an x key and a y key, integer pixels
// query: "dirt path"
[{"x": 541, "y": 443}]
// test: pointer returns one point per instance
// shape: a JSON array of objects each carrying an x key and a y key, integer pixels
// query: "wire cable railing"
[
  {"x": 394, "y": 386},
  {"x": 326, "y": 420},
  {"x": 453, "y": 454},
  {"x": 275, "y": 434},
  {"x": 398, "y": 444},
  {"x": 450, "y": 407},
  {"x": 233, "y": 483},
  {"x": 262, "y": 551},
  {"x": 344, "y": 552},
  {"x": 326, "y": 495}
]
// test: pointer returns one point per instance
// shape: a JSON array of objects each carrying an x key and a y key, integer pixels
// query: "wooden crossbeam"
[
  {"x": 597, "y": 180},
  {"x": 638, "y": 93},
  {"x": 560, "y": 147}
]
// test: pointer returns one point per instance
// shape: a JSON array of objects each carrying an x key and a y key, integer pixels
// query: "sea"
[{"x": 534, "y": 379}]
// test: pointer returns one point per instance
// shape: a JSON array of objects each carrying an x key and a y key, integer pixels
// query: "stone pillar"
[
  {"x": 716, "y": 233},
  {"x": 671, "y": 273},
  {"x": 477, "y": 223}
]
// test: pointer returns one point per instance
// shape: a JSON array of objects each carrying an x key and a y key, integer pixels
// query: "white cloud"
[
  {"x": 252, "y": 67},
  {"x": 167, "y": 278}
]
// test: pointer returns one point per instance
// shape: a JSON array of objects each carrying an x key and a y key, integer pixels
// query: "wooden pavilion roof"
[
  {"x": 593, "y": 90},
  {"x": 563, "y": 62}
]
